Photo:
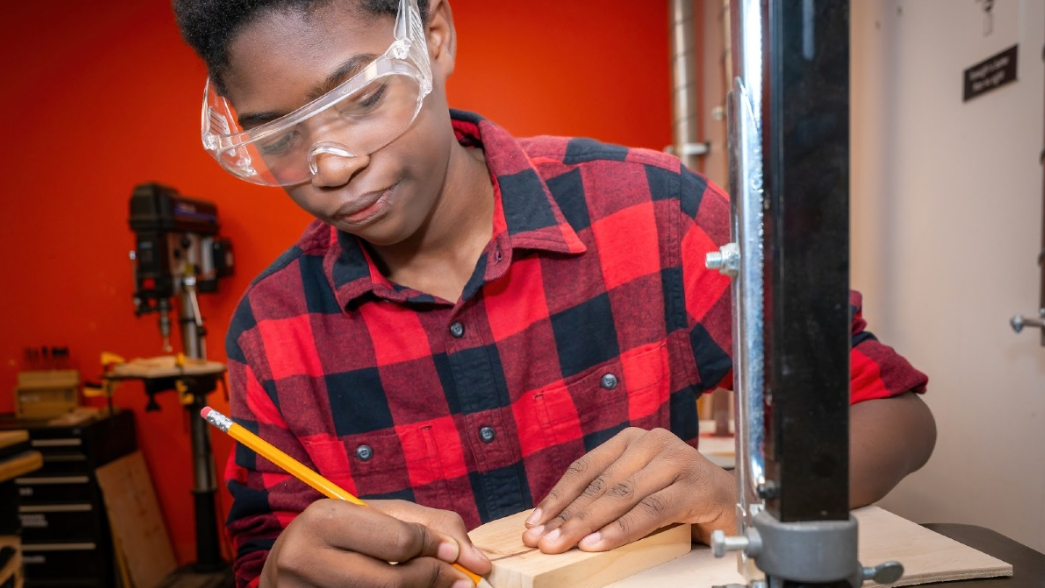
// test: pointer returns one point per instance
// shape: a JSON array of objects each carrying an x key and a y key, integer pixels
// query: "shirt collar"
[{"x": 526, "y": 217}]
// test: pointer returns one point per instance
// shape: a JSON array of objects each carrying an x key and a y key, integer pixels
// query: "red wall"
[{"x": 100, "y": 96}]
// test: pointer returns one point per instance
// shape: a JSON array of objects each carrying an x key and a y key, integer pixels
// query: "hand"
[
  {"x": 333, "y": 543},
  {"x": 629, "y": 486}
]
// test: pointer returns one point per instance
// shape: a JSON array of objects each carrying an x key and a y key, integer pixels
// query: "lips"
[{"x": 365, "y": 207}]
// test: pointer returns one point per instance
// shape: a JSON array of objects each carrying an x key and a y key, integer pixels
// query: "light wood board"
[
  {"x": 926, "y": 556},
  {"x": 517, "y": 566},
  {"x": 134, "y": 514}
]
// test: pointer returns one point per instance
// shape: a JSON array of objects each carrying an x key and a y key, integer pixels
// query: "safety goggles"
[{"x": 361, "y": 115}]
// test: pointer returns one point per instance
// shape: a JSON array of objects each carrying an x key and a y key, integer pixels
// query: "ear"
[{"x": 441, "y": 37}]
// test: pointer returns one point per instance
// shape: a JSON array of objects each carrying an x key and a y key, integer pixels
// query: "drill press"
[{"x": 178, "y": 254}]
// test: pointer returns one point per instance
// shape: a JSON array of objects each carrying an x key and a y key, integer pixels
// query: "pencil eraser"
[{"x": 205, "y": 411}]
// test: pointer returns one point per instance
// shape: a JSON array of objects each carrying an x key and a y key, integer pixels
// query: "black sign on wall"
[{"x": 991, "y": 73}]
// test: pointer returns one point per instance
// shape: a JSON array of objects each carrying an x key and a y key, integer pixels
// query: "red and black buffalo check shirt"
[{"x": 589, "y": 311}]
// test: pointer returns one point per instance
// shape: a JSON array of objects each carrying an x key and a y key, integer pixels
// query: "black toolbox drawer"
[
  {"x": 66, "y": 564},
  {"x": 60, "y": 523}
]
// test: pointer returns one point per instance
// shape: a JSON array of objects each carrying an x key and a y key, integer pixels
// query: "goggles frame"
[{"x": 227, "y": 143}]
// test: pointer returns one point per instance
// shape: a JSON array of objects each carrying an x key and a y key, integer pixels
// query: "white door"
[{"x": 946, "y": 228}]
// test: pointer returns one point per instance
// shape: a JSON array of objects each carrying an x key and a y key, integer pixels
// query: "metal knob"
[
  {"x": 1018, "y": 322},
  {"x": 885, "y": 573},
  {"x": 726, "y": 260},
  {"x": 720, "y": 543}
]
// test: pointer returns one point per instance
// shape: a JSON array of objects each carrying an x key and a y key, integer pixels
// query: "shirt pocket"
[
  {"x": 632, "y": 389},
  {"x": 405, "y": 463},
  {"x": 367, "y": 464}
]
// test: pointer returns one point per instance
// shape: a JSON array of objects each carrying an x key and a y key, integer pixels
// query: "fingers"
[
  {"x": 447, "y": 525},
  {"x": 371, "y": 532},
  {"x": 334, "y": 543},
  {"x": 579, "y": 478},
  {"x": 627, "y": 507},
  {"x": 336, "y": 568},
  {"x": 630, "y": 486}
]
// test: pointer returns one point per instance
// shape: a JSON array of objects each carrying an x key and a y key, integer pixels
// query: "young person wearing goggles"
[{"x": 474, "y": 324}]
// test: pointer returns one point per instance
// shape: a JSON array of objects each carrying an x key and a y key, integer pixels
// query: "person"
[{"x": 474, "y": 324}]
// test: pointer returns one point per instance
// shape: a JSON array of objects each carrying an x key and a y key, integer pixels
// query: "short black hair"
[{"x": 208, "y": 26}]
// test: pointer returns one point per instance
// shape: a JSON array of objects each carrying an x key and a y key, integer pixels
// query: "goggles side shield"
[{"x": 361, "y": 115}]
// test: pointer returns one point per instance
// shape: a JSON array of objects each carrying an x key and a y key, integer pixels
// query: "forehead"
[{"x": 293, "y": 50}]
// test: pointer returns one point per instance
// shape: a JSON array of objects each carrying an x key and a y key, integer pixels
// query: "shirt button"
[
  {"x": 364, "y": 452},
  {"x": 487, "y": 434},
  {"x": 457, "y": 330},
  {"x": 609, "y": 381}
]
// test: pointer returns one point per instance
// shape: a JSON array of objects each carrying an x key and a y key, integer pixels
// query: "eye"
[
  {"x": 278, "y": 145},
  {"x": 367, "y": 101}
]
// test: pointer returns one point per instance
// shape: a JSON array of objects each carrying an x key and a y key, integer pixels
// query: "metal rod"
[
  {"x": 685, "y": 123},
  {"x": 746, "y": 186}
]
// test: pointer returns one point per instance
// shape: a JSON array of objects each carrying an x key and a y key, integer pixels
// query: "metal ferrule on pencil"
[{"x": 219, "y": 420}]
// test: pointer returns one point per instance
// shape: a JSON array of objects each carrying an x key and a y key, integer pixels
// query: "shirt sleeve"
[
  {"x": 876, "y": 370},
  {"x": 265, "y": 499}
]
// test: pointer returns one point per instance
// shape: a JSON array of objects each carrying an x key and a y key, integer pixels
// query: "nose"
[{"x": 333, "y": 165}]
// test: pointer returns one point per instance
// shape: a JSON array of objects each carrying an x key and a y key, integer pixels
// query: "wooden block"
[
  {"x": 517, "y": 566},
  {"x": 926, "y": 556},
  {"x": 134, "y": 515}
]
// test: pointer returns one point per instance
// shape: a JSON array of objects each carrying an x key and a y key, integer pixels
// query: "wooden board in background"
[
  {"x": 517, "y": 566},
  {"x": 11, "y": 569},
  {"x": 134, "y": 514},
  {"x": 20, "y": 464},
  {"x": 926, "y": 556},
  {"x": 8, "y": 438},
  {"x": 13, "y": 442}
]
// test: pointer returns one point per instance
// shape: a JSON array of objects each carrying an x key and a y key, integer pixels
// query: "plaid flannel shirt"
[{"x": 590, "y": 310}]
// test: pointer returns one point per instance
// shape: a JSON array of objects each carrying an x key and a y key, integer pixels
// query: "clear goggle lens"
[{"x": 360, "y": 116}]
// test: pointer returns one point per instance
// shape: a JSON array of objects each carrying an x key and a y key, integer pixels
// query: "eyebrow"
[{"x": 346, "y": 70}]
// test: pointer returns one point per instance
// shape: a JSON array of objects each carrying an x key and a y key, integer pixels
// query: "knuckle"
[
  {"x": 661, "y": 437},
  {"x": 578, "y": 467},
  {"x": 652, "y": 505},
  {"x": 624, "y": 526},
  {"x": 434, "y": 574},
  {"x": 453, "y": 522},
  {"x": 293, "y": 561},
  {"x": 624, "y": 490},
  {"x": 580, "y": 515},
  {"x": 406, "y": 540},
  {"x": 595, "y": 488}
]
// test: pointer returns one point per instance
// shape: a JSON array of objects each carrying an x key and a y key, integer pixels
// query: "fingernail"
[
  {"x": 591, "y": 540},
  {"x": 463, "y": 584},
  {"x": 534, "y": 532},
  {"x": 553, "y": 536},
  {"x": 534, "y": 518},
  {"x": 447, "y": 551},
  {"x": 479, "y": 553}
]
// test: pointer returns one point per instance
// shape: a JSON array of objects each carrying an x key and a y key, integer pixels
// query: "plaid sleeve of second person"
[{"x": 589, "y": 311}]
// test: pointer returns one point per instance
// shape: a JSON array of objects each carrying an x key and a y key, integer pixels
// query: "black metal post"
[{"x": 807, "y": 312}]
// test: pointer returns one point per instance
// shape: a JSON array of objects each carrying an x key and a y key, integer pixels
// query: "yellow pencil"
[{"x": 291, "y": 465}]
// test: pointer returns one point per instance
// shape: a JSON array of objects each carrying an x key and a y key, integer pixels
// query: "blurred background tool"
[{"x": 178, "y": 254}]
